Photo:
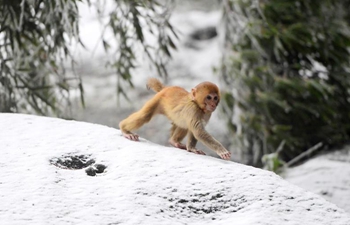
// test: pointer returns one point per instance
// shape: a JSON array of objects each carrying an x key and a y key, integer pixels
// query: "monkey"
[{"x": 188, "y": 111}]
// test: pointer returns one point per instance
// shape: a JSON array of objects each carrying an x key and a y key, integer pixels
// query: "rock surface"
[{"x": 144, "y": 183}]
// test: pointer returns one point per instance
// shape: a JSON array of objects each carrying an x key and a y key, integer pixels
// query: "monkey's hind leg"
[
  {"x": 137, "y": 119},
  {"x": 177, "y": 134}
]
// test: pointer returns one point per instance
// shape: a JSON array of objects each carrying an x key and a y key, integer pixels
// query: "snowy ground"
[
  {"x": 144, "y": 183},
  {"x": 326, "y": 175}
]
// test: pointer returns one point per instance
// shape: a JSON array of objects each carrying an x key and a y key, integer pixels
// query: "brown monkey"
[{"x": 188, "y": 111}]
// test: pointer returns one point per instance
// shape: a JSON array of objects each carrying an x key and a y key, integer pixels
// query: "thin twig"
[
  {"x": 302, "y": 155},
  {"x": 280, "y": 147}
]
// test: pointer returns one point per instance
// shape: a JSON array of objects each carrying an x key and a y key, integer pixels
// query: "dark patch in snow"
[
  {"x": 72, "y": 162},
  {"x": 198, "y": 38},
  {"x": 218, "y": 195},
  {"x": 76, "y": 162},
  {"x": 95, "y": 169},
  {"x": 100, "y": 168},
  {"x": 90, "y": 171},
  {"x": 204, "y": 33},
  {"x": 204, "y": 203},
  {"x": 323, "y": 192}
]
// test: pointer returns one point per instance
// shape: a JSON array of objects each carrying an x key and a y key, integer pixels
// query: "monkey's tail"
[{"x": 154, "y": 84}]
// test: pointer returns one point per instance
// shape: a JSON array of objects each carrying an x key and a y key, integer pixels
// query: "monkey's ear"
[{"x": 193, "y": 93}]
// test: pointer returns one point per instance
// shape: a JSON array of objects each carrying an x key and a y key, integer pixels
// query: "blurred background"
[{"x": 282, "y": 67}]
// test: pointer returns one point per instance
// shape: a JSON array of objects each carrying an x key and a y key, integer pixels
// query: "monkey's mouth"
[{"x": 210, "y": 108}]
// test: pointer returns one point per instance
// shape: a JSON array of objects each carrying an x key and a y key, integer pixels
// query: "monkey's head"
[{"x": 206, "y": 95}]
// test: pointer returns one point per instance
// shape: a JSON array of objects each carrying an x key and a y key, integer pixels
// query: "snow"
[
  {"x": 324, "y": 176},
  {"x": 144, "y": 183}
]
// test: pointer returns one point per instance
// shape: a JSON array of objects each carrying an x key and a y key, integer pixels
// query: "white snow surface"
[
  {"x": 144, "y": 183},
  {"x": 326, "y": 177}
]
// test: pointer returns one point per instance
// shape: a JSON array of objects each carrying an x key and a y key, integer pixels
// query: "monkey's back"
[{"x": 175, "y": 103}]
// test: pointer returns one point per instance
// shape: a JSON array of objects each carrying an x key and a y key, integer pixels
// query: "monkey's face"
[
  {"x": 211, "y": 101},
  {"x": 206, "y": 95}
]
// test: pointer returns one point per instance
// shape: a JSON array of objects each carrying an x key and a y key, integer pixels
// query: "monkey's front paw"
[
  {"x": 131, "y": 136},
  {"x": 225, "y": 155},
  {"x": 196, "y": 151}
]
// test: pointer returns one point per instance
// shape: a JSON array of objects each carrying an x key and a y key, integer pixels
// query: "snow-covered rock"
[
  {"x": 143, "y": 183},
  {"x": 325, "y": 176}
]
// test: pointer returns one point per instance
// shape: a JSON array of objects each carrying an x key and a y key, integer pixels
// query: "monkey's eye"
[
  {"x": 215, "y": 98},
  {"x": 209, "y": 97}
]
